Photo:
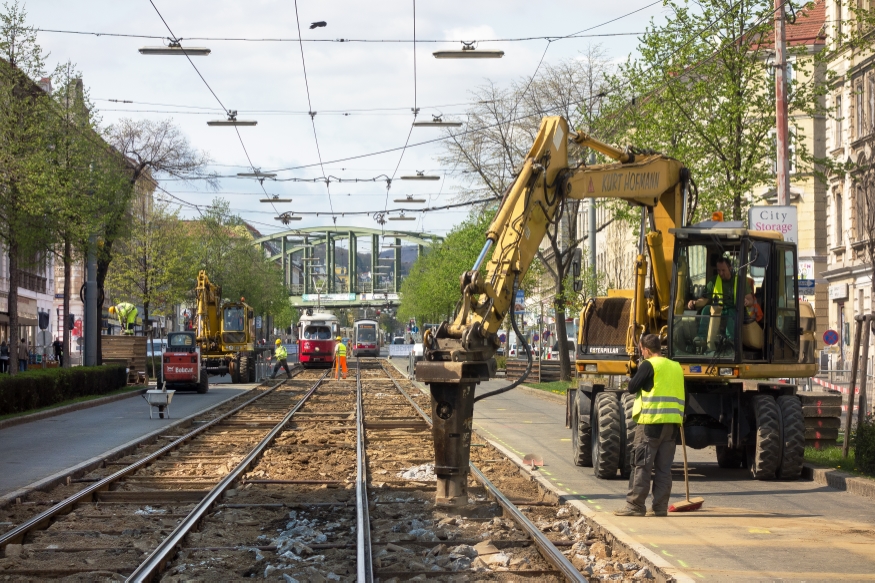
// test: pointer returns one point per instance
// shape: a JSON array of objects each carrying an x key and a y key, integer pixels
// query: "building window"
[
  {"x": 860, "y": 211},
  {"x": 839, "y": 220},
  {"x": 839, "y": 21},
  {"x": 871, "y": 86},
  {"x": 838, "y": 122},
  {"x": 858, "y": 114}
]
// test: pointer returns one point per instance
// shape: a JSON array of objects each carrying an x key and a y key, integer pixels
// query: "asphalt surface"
[
  {"x": 36, "y": 450},
  {"x": 746, "y": 531}
]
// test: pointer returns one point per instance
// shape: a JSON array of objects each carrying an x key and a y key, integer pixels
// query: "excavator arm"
[{"x": 461, "y": 350}]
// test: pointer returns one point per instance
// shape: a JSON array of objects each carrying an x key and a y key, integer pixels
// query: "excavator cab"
[{"x": 734, "y": 300}]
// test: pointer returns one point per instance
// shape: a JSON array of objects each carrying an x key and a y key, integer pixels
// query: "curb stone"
[
  {"x": 663, "y": 570},
  {"x": 839, "y": 480}
]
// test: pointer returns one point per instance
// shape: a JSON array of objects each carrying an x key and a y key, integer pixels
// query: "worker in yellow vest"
[
  {"x": 722, "y": 291},
  {"x": 658, "y": 386},
  {"x": 281, "y": 355},
  {"x": 126, "y": 313},
  {"x": 340, "y": 358}
]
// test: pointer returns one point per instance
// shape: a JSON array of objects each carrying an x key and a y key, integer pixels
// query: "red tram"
[{"x": 316, "y": 340}]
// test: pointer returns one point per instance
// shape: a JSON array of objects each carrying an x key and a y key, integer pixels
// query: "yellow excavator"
[
  {"x": 731, "y": 359},
  {"x": 225, "y": 333}
]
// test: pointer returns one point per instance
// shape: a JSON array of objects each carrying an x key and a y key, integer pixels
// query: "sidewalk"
[{"x": 39, "y": 449}]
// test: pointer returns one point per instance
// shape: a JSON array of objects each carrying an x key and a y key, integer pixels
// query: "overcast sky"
[{"x": 344, "y": 78}]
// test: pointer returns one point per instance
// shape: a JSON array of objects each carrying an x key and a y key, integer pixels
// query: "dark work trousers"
[
  {"x": 653, "y": 452},
  {"x": 281, "y": 363}
]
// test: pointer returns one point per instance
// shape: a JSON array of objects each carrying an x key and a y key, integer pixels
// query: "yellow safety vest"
[
  {"x": 665, "y": 402},
  {"x": 718, "y": 288},
  {"x": 341, "y": 349},
  {"x": 281, "y": 352}
]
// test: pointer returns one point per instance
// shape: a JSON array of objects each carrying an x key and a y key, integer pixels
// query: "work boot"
[
  {"x": 273, "y": 376},
  {"x": 659, "y": 512},
  {"x": 630, "y": 511}
]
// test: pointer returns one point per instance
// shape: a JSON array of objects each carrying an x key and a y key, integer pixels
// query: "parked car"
[
  {"x": 417, "y": 351},
  {"x": 554, "y": 354},
  {"x": 398, "y": 340},
  {"x": 159, "y": 344}
]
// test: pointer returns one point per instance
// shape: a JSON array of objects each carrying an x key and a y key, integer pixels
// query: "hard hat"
[
  {"x": 338, "y": 338},
  {"x": 112, "y": 309},
  {"x": 278, "y": 341}
]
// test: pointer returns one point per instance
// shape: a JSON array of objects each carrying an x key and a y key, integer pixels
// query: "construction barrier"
[
  {"x": 543, "y": 371},
  {"x": 402, "y": 350}
]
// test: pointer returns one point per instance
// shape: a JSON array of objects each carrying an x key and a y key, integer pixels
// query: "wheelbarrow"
[{"x": 159, "y": 401}]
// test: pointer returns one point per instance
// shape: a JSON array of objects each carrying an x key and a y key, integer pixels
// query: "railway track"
[{"x": 311, "y": 480}]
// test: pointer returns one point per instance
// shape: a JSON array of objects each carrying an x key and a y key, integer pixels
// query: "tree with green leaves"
[
  {"x": 700, "y": 90},
  {"x": 24, "y": 183},
  {"x": 431, "y": 290},
  {"x": 85, "y": 174},
  {"x": 151, "y": 264}
]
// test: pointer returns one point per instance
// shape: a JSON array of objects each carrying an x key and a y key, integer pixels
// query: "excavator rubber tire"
[
  {"x": 246, "y": 369},
  {"x": 581, "y": 437},
  {"x": 628, "y": 435},
  {"x": 234, "y": 370},
  {"x": 764, "y": 455},
  {"x": 728, "y": 458},
  {"x": 792, "y": 437},
  {"x": 204, "y": 383},
  {"x": 606, "y": 435},
  {"x": 251, "y": 368}
]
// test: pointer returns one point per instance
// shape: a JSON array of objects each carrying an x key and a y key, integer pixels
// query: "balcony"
[{"x": 32, "y": 282}]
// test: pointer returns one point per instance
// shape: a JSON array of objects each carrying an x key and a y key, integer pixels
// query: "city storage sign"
[{"x": 775, "y": 218}]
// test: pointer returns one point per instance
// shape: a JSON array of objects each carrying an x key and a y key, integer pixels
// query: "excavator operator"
[{"x": 720, "y": 293}]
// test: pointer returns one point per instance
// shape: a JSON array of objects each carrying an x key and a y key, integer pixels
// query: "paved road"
[
  {"x": 33, "y": 451},
  {"x": 747, "y": 530}
]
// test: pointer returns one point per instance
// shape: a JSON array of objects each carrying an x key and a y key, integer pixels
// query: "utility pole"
[
  {"x": 782, "y": 130},
  {"x": 91, "y": 307}
]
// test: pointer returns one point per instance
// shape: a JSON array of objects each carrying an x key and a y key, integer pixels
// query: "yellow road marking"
[
  {"x": 667, "y": 554},
  {"x": 699, "y": 575},
  {"x": 565, "y": 439},
  {"x": 682, "y": 564},
  {"x": 654, "y": 545},
  {"x": 759, "y": 531}
]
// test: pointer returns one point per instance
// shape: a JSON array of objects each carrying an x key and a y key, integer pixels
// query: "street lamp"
[
  {"x": 231, "y": 121},
  {"x": 257, "y": 174},
  {"x": 421, "y": 175},
  {"x": 286, "y": 217},
  {"x": 437, "y": 122},
  {"x": 402, "y": 217},
  {"x": 275, "y": 198},
  {"x": 174, "y": 48},
  {"x": 468, "y": 52},
  {"x": 410, "y": 200}
]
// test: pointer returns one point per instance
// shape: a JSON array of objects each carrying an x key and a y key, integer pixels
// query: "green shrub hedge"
[
  {"x": 864, "y": 446},
  {"x": 44, "y": 387}
]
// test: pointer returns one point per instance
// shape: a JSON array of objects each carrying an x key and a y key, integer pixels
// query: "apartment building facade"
[{"x": 850, "y": 139}]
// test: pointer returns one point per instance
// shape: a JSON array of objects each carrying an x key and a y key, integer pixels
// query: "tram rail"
[{"x": 325, "y": 492}]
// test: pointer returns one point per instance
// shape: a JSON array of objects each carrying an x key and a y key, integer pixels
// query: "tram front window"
[{"x": 317, "y": 333}]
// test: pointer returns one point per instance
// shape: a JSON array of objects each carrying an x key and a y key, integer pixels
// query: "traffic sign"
[
  {"x": 830, "y": 337},
  {"x": 415, "y": 329},
  {"x": 806, "y": 287},
  {"x": 502, "y": 338},
  {"x": 535, "y": 337}
]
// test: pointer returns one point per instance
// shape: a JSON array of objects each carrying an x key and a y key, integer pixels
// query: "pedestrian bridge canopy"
[{"x": 344, "y": 266}]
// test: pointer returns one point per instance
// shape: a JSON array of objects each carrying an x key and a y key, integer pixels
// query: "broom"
[{"x": 687, "y": 505}]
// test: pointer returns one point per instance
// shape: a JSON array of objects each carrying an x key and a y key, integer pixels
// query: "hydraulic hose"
[{"x": 528, "y": 350}]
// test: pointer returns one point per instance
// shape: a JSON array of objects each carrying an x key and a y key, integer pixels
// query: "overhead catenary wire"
[
  {"x": 312, "y": 112},
  {"x": 213, "y": 93}
]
